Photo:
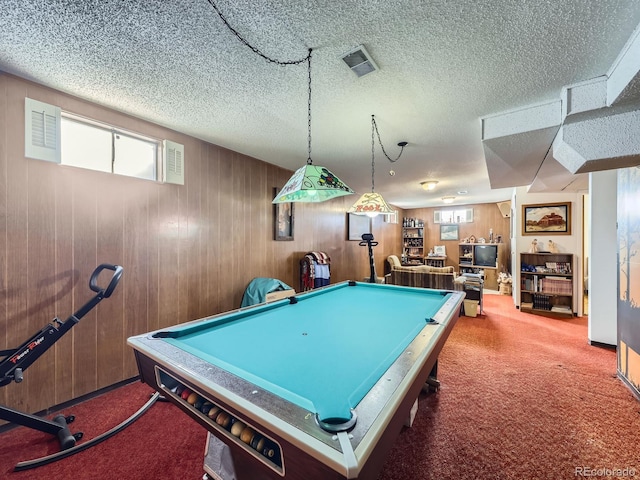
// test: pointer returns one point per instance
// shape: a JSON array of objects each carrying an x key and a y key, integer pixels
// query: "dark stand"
[
  {"x": 17, "y": 360},
  {"x": 367, "y": 241}
]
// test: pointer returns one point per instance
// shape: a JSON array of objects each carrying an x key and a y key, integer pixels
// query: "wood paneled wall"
[
  {"x": 485, "y": 216},
  {"x": 187, "y": 251}
]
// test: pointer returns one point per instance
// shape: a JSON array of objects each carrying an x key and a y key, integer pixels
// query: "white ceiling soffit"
[
  {"x": 553, "y": 177},
  {"x": 604, "y": 139},
  {"x": 623, "y": 82},
  {"x": 599, "y": 131},
  {"x": 595, "y": 136},
  {"x": 516, "y": 143}
]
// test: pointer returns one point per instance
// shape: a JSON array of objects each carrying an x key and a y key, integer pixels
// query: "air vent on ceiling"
[{"x": 359, "y": 61}]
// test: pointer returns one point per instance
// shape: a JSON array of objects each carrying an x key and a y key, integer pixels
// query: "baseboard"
[{"x": 608, "y": 346}]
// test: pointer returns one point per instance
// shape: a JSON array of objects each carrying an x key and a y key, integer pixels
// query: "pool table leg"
[
  {"x": 432, "y": 384},
  {"x": 218, "y": 461}
]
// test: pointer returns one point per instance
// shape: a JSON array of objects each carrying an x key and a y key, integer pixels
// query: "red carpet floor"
[
  {"x": 522, "y": 397},
  {"x": 162, "y": 444}
]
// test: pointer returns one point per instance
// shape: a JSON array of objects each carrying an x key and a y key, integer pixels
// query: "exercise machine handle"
[
  {"x": 93, "y": 281},
  {"x": 19, "y": 359}
]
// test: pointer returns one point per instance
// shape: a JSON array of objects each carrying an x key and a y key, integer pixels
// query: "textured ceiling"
[{"x": 443, "y": 65}]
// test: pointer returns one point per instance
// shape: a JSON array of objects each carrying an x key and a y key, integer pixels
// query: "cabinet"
[
  {"x": 485, "y": 259},
  {"x": 435, "y": 261},
  {"x": 412, "y": 241},
  {"x": 546, "y": 283}
]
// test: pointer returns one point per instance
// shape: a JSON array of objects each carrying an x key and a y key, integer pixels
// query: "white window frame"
[
  {"x": 465, "y": 217},
  {"x": 43, "y": 141}
]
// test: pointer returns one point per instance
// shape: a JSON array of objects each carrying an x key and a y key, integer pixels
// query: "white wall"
[
  {"x": 603, "y": 284},
  {"x": 565, "y": 243}
]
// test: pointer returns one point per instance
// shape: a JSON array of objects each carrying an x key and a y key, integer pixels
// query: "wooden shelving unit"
[
  {"x": 468, "y": 263},
  {"x": 546, "y": 283},
  {"x": 412, "y": 241}
]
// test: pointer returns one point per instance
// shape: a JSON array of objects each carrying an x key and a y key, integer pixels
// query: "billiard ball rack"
[{"x": 234, "y": 428}]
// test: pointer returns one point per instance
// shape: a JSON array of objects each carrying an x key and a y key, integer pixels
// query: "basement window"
[
  {"x": 68, "y": 139},
  {"x": 453, "y": 216},
  {"x": 96, "y": 146}
]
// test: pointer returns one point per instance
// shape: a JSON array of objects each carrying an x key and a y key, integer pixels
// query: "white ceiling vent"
[{"x": 359, "y": 61}]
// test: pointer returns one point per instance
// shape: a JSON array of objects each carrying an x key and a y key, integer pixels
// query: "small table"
[
  {"x": 317, "y": 386},
  {"x": 473, "y": 287},
  {"x": 435, "y": 261}
]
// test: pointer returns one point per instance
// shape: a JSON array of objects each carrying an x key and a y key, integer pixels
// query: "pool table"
[{"x": 315, "y": 386}]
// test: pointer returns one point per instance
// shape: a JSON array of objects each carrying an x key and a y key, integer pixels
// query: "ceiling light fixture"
[
  {"x": 448, "y": 199},
  {"x": 372, "y": 204},
  {"x": 309, "y": 183},
  {"x": 429, "y": 184}
]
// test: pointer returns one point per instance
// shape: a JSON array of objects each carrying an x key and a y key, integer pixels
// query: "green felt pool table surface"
[{"x": 324, "y": 352}]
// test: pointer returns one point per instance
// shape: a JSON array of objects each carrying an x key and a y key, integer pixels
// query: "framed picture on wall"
[
  {"x": 357, "y": 225},
  {"x": 282, "y": 219},
  {"x": 391, "y": 217},
  {"x": 449, "y": 232},
  {"x": 547, "y": 219}
]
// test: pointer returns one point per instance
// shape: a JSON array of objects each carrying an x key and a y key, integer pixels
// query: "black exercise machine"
[
  {"x": 19, "y": 359},
  {"x": 368, "y": 241}
]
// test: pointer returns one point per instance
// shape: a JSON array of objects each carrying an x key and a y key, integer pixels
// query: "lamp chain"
[
  {"x": 254, "y": 49},
  {"x": 375, "y": 126},
  {"x": 278, "y": 62},
  {"x": 309, "y": 162},
  {"x": 373, "y": 163}
]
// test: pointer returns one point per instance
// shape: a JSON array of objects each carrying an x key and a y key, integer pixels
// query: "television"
[{"x": 485, "y": 255}]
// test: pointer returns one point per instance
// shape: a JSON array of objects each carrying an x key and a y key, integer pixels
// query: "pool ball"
[
  {"x": 213, "y": 412},
  {"x": 247, "y": 435},
  {"x": 237, "y": 428},
  {"x": 223, "y": 419}
]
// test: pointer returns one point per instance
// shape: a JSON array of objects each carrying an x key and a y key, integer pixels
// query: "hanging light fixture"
[
  {"x": 311, "y": 183},
  {"x": 372, "y": 204}
]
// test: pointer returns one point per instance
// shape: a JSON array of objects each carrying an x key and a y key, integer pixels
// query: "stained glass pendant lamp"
[
  {"x": 372, "y": 204},
  {"x": 311, "y": 183}
]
